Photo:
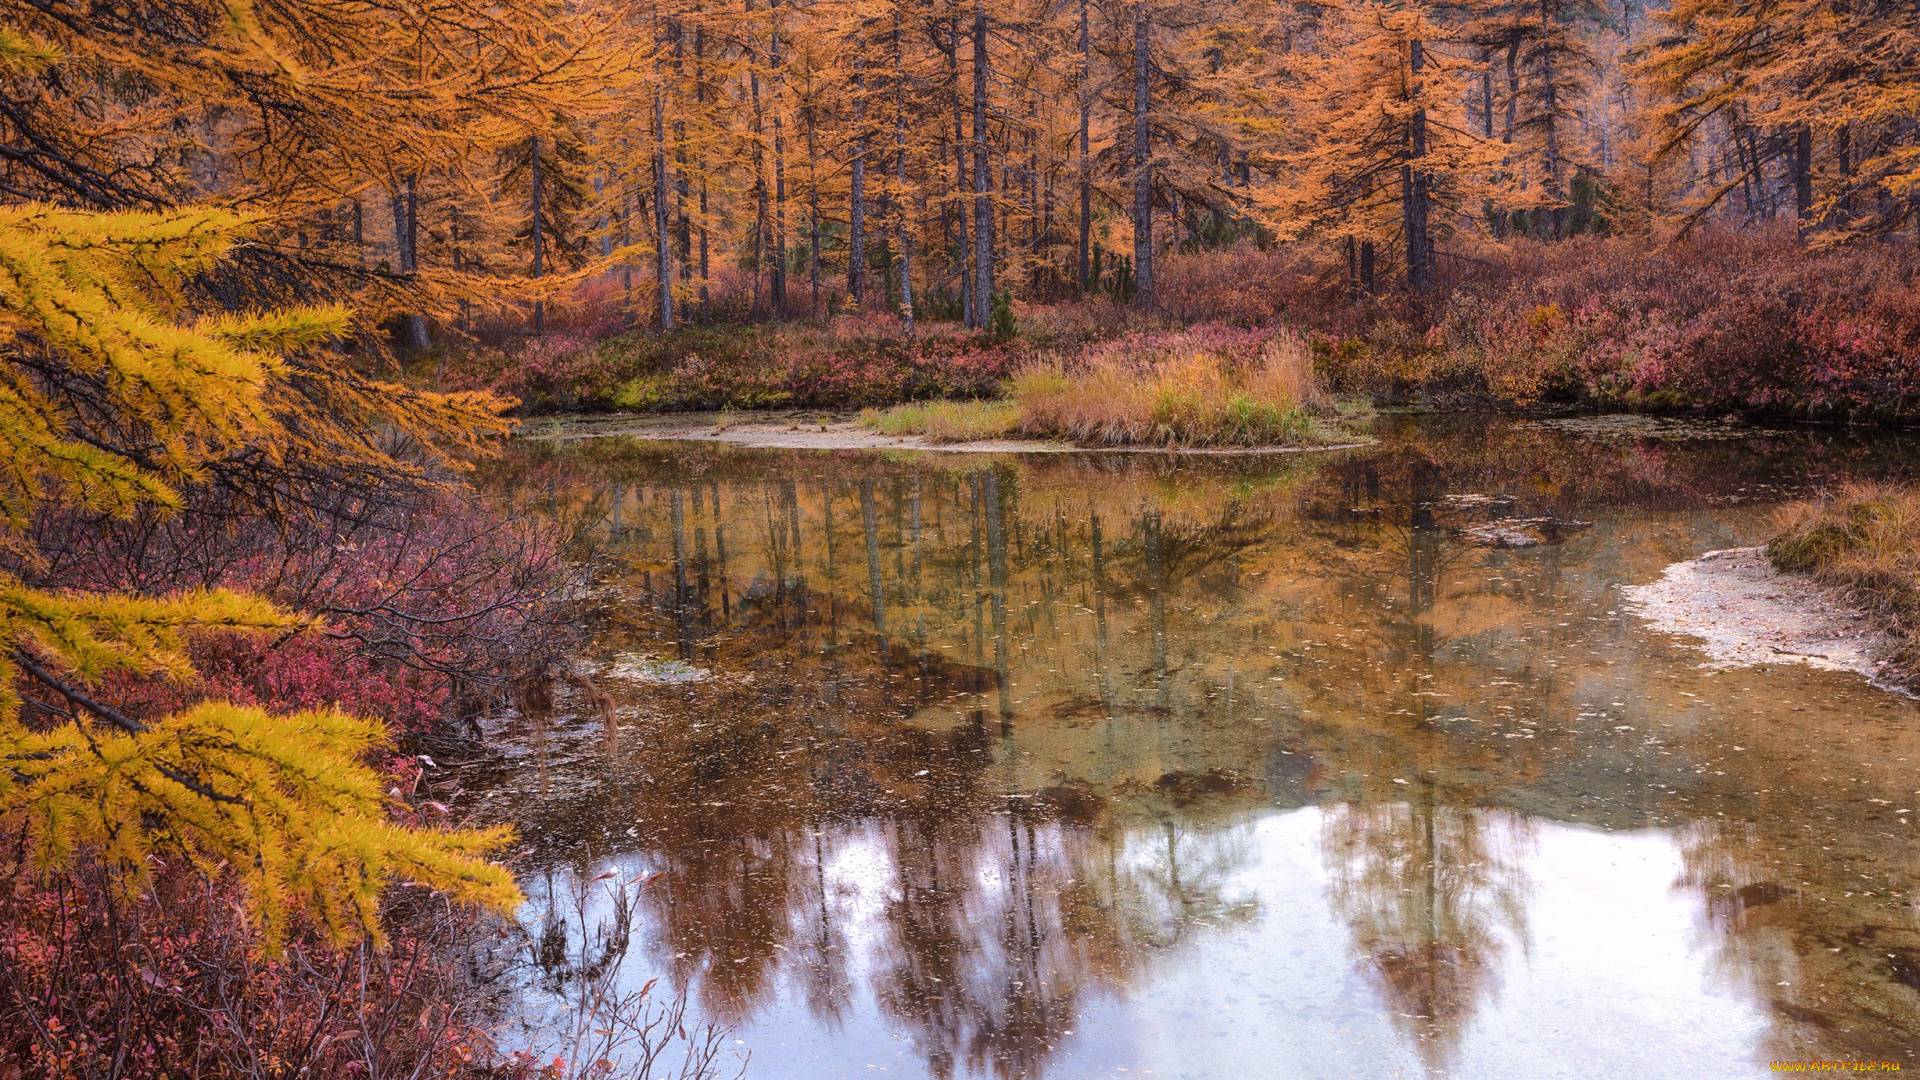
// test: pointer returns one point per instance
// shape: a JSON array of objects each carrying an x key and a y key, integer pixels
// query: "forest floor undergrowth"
[{"x": 1245, "y": 346}]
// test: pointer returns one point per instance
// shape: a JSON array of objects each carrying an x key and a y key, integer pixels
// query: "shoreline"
[
  {"x": 1738, "y": 609},
  {"x": 808, "y": 431}
]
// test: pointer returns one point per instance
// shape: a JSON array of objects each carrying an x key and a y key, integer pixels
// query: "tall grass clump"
[
  {"x": 1864, "y": 540},
  {"x": 945, "y": 421},
  {"x": 1204, "y": 387}
]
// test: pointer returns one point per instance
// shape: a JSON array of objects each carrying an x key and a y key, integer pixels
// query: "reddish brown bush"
[
  {"x": 1747, "y": 319},
  {"x": 1248, "y": 287},
  {"x": 168, "y": 982}
]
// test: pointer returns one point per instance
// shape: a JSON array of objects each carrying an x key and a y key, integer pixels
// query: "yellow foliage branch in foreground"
[{"x": 114, "y": 396}]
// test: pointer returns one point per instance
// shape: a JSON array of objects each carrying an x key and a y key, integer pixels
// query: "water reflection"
[
  {"x": 1433, "y": 895},
  {"x": 1048, "y": 767}
]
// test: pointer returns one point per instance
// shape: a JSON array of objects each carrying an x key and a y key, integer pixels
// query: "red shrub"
[
  {"x": 1249, "y": 287},
  {"x": 95, "y": 981},
  {"x": 1741, "y": 319},
  {"x": 1724, "y": 319},
  {"x": 419, "y": 599}
]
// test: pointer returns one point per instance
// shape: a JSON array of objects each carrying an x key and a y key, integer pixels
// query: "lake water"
[{"x": 1104, "y": 765}]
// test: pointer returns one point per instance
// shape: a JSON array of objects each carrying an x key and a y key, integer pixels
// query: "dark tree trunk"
[
  {"x": 539, "y": 242},
  {"x": 1556, "y": 188},
  {"x": 1086, "y": 158},
  {"x": 1414, "y": 182},
  {"x": 960, "y": 174},
  {"x": 682, "y": 224},
  {"x": 406, "y": 237},
  {"x": 463, "y": 321},
  {"x": 626, "y": 240},
  {"x": 759, "y": 187},
  {"x": 813, "y": 212},
  {"x": 779, "y": 281},
  {"x": 1513, "y": 87},
  {"x": 1486, "y": 95},
  {"x": 982, "y": 199},
  {"x": 1142, "y": 160},
  {"x": 700, "y": 99},
  {"x": 1803, "y": 180},
  {"x": 857, "y": 193},
  {"x": 663, "y": 242},
  {"x": 1843, "y": 150},
  {"x": 706, "y": 276},
  {"x": 904, "y": 227}
]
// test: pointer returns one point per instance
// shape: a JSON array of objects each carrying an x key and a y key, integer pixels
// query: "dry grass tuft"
[
  {"x": 1188, "y": 396},
  {"x": 946, "y": 421},
  {"x": 1866, "y": 541}
]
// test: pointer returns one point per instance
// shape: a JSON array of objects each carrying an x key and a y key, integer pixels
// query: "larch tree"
[
  {"x": 544, "y": 175},
  {"x": 303, "y": 112},
  {"x": 1777, "y": 79},
  {"x": 1390, "y": 158},
  {"x": 937, "y": 157},
  {"x": 120, "y": 396}
]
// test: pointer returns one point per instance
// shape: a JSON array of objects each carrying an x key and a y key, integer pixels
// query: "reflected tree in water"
[{"x": 1434, "y": 896}]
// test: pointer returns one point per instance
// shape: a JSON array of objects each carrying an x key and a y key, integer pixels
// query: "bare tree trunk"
[
  {"x": 1486, "y": 94},
  {"x": 539, "y": 242},
  {"x": 663, "y": 253},
  {"x": 960, "y": 175},
  {"x": 1747, "y": 150},
  {"x": 682, "y": 225},
  {"x": 626, "y": 240},
  {"x": 857, "y": 191},
  {"x": 1843, "y": 149},
  {"x": 759, "y": 182},
  {"x": 1142, "y": 159},
  {"x": 1086, "y": 158},
  {"x": 1555, "y": 188},
  {"x": 406, "y": 233},
  {"x": 982, "y": 200},
  {"x": 813, "y": 211},
  {"x": 463, "y": 321},
  {"x": 706, "y": 276},
  {"x": 900, "y": 175},
  {"x": 1414, "y": 182},
  {"x": 1031, "y": 181},
  {"x": 1803, "y": 180},
  {"x": 1513, "y": 87},
  {"x": 779, "y": 282},
  {"x": 700, "y": 100}
]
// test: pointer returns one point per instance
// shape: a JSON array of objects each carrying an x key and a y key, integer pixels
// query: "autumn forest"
[
  {"x": 456, "y": 168},
  {"x": 326, "y": 665}
]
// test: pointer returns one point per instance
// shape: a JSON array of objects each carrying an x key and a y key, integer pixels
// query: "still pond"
[{"x": 1121, "y": 765}]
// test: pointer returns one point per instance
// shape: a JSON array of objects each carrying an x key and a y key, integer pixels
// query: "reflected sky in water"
[{"x": 1111, "y": 765}]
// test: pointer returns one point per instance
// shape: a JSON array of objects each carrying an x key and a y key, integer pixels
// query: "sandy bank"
[
  {"x": 809, "y": 432},
  {"x": 1742, "y": 612}
]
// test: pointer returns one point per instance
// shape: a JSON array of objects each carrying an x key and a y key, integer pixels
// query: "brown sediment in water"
[
  {"x": 1743, "y": 612},
  {"x": 813, "y": 432}
]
